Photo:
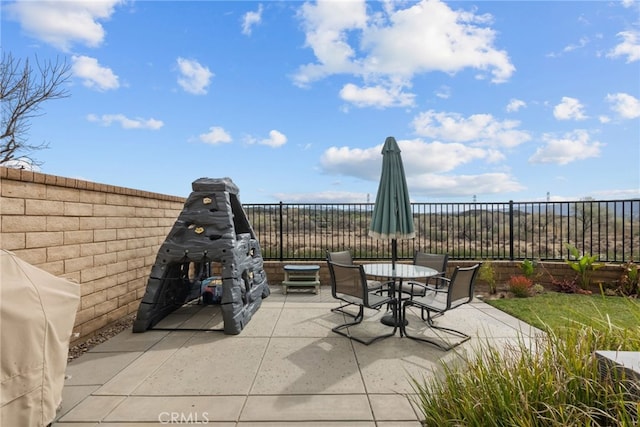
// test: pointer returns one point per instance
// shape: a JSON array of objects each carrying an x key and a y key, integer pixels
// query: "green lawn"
[{"x": 558, "y": 310}]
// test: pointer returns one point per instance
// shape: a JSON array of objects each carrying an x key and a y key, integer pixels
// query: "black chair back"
[
  {"x": 341, "y": 257},
  {"x": 436, "y": 261},
  {"x": 462, "y": 286}
]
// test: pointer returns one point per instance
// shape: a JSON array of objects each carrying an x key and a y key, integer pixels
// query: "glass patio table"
[{"x": 397, "y": 275}]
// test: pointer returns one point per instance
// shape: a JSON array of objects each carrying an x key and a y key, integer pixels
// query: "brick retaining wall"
[
  {"x": 106, "y": 239},
  {"x": 103, "y": 237},
  {"x": 608, "y": 274}
]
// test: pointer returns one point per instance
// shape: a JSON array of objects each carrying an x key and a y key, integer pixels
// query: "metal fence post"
[
  {"x": 281, "y": 234},
  {"x": 511, "y": 250}
]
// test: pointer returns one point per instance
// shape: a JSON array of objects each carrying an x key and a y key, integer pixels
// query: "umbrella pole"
[
  {"x": 392, "y": 319},
  {"x": 394, "y": 253}
]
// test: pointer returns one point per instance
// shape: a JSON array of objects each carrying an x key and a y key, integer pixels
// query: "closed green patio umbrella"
[{"x": 392, "y": 217}]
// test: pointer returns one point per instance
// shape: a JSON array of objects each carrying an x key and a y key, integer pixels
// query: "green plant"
[
  {"x": 537, "y": 289},
  {"x": 630, "y": 280},
  {"x": 553, "y": 380},
  {"x": 488, "y": 275},
  {"x": 520, "y": 286},
  {"x": 564, "y": 285},
  {"x": 527, "y": 268},
  {"x": 583, "y": 264}
]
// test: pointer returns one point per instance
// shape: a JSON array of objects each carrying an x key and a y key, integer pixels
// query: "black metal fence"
[{"x": 497, "y": 231}]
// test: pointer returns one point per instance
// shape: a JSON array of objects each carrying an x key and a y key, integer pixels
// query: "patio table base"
[{"x": 390, "y": 320}]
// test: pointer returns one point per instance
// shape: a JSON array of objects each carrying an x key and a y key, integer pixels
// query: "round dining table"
[{"x": 396, "y": 273}]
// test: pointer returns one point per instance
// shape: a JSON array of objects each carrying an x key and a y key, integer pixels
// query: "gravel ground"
[{"x": 78, "y": 349}]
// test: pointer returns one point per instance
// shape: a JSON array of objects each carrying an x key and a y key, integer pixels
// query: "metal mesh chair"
[
  {"x": 349, "y": 285},
  {"x": 341, "y": 257},
  {"x": 344, "y": 257},
  {"x": 437, "y": 301},
  {"x": 436, "y": 261}
]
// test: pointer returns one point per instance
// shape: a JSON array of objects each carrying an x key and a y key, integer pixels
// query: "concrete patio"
[{"x": 285, "y": 368}]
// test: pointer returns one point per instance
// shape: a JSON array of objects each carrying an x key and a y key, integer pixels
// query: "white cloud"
[
  {"x": 393, "y": 44},
  {"x": 276, "y": 139},
  {"x": 194, "y": 78},
  {"x": 322, "y": 197},
  {"x": 327, "y": 25},
  {"x": 63, "y": 23},
  {"x": 581, "y": 43},
  {"x": 629, "y": 47},
  {"x": 358, "y": 162},
  {"x": 573, "y": 146},
  {"x": 418, "y": 157},
  {"x": 94, "y": 75},
  {"x": 480, "y": 129},
  {"x": 632, "y": 193},
  {"x": 216, "y": 135},
  {"x": 250, "y": 19},
  {"x": 444, "y": 92},
  {"x": 438, "y": 39},
  {"x": 125, "y": 122},
  {"x": 462, "y": 185},
  {"x": 376, "y": 96},
  {"x": 627, "y": 106},
  {"x": 515, "y": 105},
  {"x": 421, "y": 157},
  {"x": 429, "y": 168},
  {"x": 569, "y": 109}
]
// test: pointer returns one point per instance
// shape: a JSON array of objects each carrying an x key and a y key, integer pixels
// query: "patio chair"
[
  {"x": 436, "y": 261},
  {"x": 349, "y": 285},
  {"x": 437, "y": 301},
  {"x": 341, "y": 257},
  {"x": 344, "y": 257}
]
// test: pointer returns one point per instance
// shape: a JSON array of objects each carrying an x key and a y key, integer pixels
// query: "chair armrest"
[
  {"x": 439, "y": 278},
  {"x": 375, "y": 284},
  {"x": 442, "y": 280},
  {"x": 415, "y": 288},
  {"x": 381, "y": 287},
  {"x": 439, "y": 290}
]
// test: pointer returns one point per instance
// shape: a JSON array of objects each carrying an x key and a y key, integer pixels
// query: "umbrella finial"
[{"x": 390, "y": 144}]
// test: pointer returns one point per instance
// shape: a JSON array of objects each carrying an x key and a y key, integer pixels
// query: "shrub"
[
  {"x": 527, "y": 268},
  {"x": 537, "y": 289},
  {"x": 567, "y": 286},
  {"x": 583, "y": 264},
  {"x": 487, "y": 274},
  {"x": 553, "y": 381},
  {"x": 520, "y": 286},
  {"x": 630, "y": 280}
]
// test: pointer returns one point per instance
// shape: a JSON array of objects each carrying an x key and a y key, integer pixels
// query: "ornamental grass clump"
[{"x": 551, "y": 380}]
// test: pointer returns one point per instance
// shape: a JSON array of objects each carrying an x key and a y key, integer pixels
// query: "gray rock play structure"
[{"x": 212, "y": 240}]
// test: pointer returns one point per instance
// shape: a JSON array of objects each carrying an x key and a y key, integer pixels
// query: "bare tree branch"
[{"x": 22, "y": 92}]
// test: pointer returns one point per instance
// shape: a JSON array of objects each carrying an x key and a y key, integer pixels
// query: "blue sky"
[{"x": 489, "y": 101}]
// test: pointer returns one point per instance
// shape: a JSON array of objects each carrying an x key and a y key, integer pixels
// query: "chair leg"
[
  {"x": 357, "y": 320},
  {"x": 341, "y": 310},
  {"x": 440, "y": 344},
  {"x": 432, "y": 316}
]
